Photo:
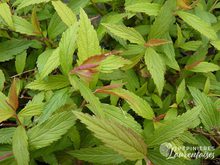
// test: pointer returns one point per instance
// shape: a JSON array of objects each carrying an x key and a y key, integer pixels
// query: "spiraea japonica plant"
[{"x": 128, "y": 82}]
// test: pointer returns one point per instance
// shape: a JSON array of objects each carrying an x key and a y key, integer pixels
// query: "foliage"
[{"x": 108, "y": 81}]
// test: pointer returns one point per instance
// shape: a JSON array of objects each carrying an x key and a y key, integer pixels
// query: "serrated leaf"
[
  {"x": 50, "y": 83},
  {"x": 67, "y": 47},
  {"x": 163, "y": 20},
  {"x": 115, "y": 136},
  {"x": 20, "y": 61},
  {"x": 6, "y": 15},
  {"x": 52, "y": 63},
  {"x": 87, "y": 95},
  {"x": 145, "y": 7},
  {"x": 111, "y": 63},
  {"x": 2, "y": 80},
  {"x": 204, "y": 67},
  {"x": 126, "y": 33},
  {"x": 13, "y": 95},
  {"x": 33, "y": 107},
  {"x": 156, "y": 66},
  {"x": 87, "y": 41},
  {"x": 25, "y": 3},
  {"x": 10, "y": 48},
  {"x": 6, "y": 135},
  {"x": 198, "y": 24},
  {"x": 23, "y": 26},
  {"x": 137, "y": 104},
  {"x": 209, "y": 115},
  {"x": 46, "y": 133},
  {"x": 181, "y": 91},
  {"x": 6, "y": 111},
  {"x": 111, "y": 17},
  {"x": 31, "y": 110},
  {"x": 216, "y": 44},
  {"x": 174, "y": 128},
  {"x": 57, "y": 100},
  {"x": 120, "y": 116},
  {"x": 65, "y": 13},
  {"x": 100, "y": 154},
  {"x": 169, "y": 51},
  {"x": 20, "y": 146}
]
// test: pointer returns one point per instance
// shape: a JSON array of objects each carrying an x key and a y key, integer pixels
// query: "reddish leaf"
[
  {"x": 12, "y": 96},
  {"x": 184, "y": 4},
  {"x": 156, "y": 42},
  {"x": 35, "y": 22},
  {"x": 191, "y": 66},
  {"x": 160, "y": 117},
  {"x": 109, "y": 87},
  {"x": 90, "y": 66}
]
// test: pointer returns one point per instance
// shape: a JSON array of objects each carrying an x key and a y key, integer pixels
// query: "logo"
[{"x": 171, "y": 151}]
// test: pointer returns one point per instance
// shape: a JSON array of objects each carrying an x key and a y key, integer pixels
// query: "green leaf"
[
  {"x": 10, "y": 48},
  {"x": 164, "y": 20},
  {"x": 20, "y": 61},
  {"x": 174, "y": 128},
  {"x": 51, "y": 63},
  {"x": 25, "y": 3},
  {"x": 145, "y": 7},
  {"x": 101, "y": 154},
  {"x": 180, "y": 91},
  {"x": 31, "y": 110},
  {"x": 198, "y": 24},
  {"x": 56, "y": 26},
  {"x": 50, "y": 83},
  {"x": 111, "y": 17},
  {"x": 34, "y": 107},
  {"x": 23, "y": 26},
  {"x": 121, "y": 139},
  {"x": 87, "y": 41},
  {"x": 156, "y": 66},
  {"x": 205, "y": 67},
  {"x": 6, "y": 135},
  {"x": 169, "y": 51},
  {"x": 67, "y": 47},
  {"x": 120, "y": 116},
  {"x": 6, "y": 15},
  {"x": 158, "y": 159},
  {"x": 216, "y": 44},
  {"x": 113, "y": 62},
  {"x": 191, "y": 45},
  {"x": 137, "y": 104},
  {"x": 2, "y": 80},
  {"x": 57, "y": 100},
  {"x": 46, "y": 133},
  {"x": 87, "y": 95},
  {"x": 65, "y": 13},
  {"x": 126, "y": 33},
  {"x": 6, "y": 111},
  {"x": 20, "y": 146},
  {"x": 209, "y": 115}
]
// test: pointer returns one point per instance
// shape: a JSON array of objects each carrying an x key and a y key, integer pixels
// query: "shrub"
[{"x": 109, "y": 82}]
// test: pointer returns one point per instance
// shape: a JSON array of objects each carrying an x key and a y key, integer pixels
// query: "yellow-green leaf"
[
  {"x": 120, "y": 138},
  {"x": 145, "y": 7},
  {"x": 156, "y": 66},
  {"x": 6, "y": 15},
  {"x": 198, "y": 24},
  {"x": 67, "y": 47},
  {"x": 87, "y": 41},
  {"x": 20, "y": 146},
  {"x": 65, "y": 13},
  {"x": 180, "y": 91}
]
